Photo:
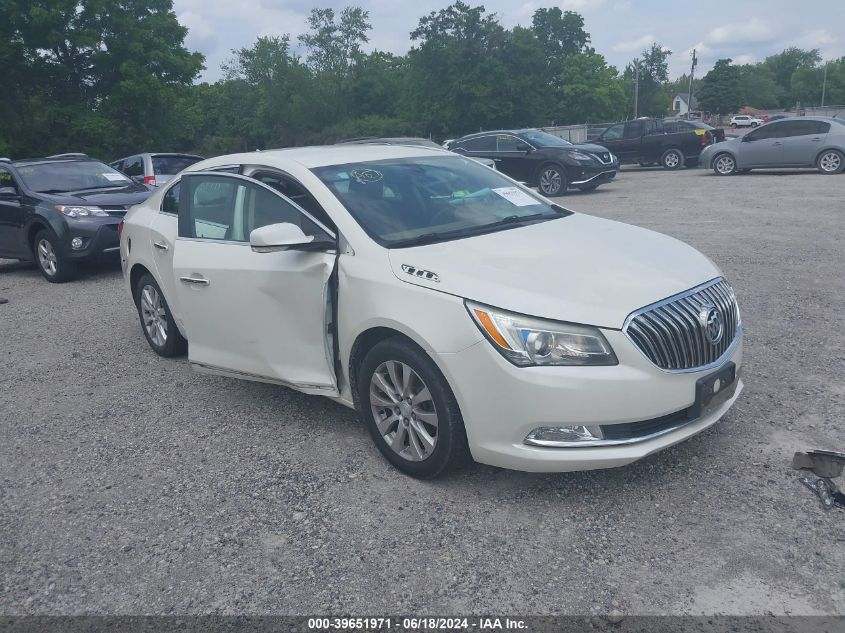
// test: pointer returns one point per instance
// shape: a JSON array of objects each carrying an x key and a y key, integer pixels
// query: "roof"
[
  {"x": 684, "y": 96},
  {"x": 322, "y": 156},
  {"x": 390, "y": 140},
  {"x": 488, "y": 132},
  {"x": 61, "y": 158}
]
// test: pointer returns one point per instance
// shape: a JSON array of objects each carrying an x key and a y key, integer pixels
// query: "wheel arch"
[
  {"x": 135, "y": 273},
  {"x": 832, "y": 148},
  {"x": 37, "y": 225}
]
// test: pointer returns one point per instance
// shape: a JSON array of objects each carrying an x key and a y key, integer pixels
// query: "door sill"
[{"x": 317, "y": 389}]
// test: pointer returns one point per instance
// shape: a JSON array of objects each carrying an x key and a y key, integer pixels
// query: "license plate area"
[{"x": 713, "y": 390}]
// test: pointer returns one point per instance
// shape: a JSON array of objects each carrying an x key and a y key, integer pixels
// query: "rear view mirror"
[{"x": 286, "y": 237}]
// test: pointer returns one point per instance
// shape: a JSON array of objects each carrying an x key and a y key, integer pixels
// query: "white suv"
[
  {"x": 744, "y": 120},
  {"x": 461, "y": 313}
]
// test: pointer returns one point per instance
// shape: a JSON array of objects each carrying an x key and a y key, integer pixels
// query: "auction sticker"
[{"x": 516, "y": 196}]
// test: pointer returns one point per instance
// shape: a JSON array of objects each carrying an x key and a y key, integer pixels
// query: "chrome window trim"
[{"x": 681, "y": 295}]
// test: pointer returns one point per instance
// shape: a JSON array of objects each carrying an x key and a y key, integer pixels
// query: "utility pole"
[
  {"x": 636, "y": 87},
  {"x": 824, "y": 82},
  {"x": 691, "y": 73}
]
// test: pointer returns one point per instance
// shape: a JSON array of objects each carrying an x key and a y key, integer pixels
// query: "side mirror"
[
  {"x": 523, "y": 147},
  {"x": 286, "y": 237},
  {"x": 9, "y": 193},
  {"x": 138, "y": 179},
  {"x": 746, "y": 139}
]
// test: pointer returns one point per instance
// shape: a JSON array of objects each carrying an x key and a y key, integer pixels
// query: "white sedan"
[{"x": 461, "y": 313}]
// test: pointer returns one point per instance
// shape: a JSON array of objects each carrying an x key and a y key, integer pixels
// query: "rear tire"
[
  {"x": 410, "y": 410},
  {"x": 54, "y": 266},
  {"x": 830, "y": 162},
  {"x": 157, "y": 322},
  {"x": 672, "y": 158}
]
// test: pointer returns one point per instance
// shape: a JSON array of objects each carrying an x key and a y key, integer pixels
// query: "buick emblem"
[{"x": 712, "y": 322}]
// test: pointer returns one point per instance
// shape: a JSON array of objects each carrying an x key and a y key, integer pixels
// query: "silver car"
[
  {"x": 154, "y": 169},
  {"x": 810, "y": 141}
]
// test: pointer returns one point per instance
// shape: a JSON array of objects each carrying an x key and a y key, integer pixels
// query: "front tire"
[
  {"x": 724, "y": 165},
  {"x": 156, "y": 320},
  {"x": 410, "y": 410},
  {"x": 830, "y": 162},
  {"x": 53, "y": 265},
  {"x": 552, "y": 181},
  {"x": 672, "y": 159}
]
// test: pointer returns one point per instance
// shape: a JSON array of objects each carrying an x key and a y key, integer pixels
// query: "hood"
[
  {"x": 590, "y": 147},
  {"x": 122, "y": 196},
  {"x": 578, "y": 268}
]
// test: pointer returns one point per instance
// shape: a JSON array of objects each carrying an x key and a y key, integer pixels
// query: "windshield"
[
  {"x": 412, "y": 201},
  {"x": 170, "y": 165},
  {"x": 71, "y": 175},
  {"x": 543, "y": 139}
]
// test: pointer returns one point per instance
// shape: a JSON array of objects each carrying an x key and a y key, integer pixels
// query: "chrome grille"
[{"x": 673, "y": 333}]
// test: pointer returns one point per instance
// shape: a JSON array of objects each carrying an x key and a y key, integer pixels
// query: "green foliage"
[
  {"x": 720, "y": 89},
  {"x": 113, "y": 77}
]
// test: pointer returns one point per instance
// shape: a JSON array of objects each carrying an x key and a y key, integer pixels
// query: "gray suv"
[
  {"x": 154, "y": 169},
  {"x": 807, "y": 141}
]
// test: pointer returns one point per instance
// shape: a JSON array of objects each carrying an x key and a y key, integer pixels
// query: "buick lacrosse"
[{"x": 462, "y": 314}]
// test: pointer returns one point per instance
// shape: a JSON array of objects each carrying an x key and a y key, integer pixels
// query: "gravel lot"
[{"x": 130, "y": 484}]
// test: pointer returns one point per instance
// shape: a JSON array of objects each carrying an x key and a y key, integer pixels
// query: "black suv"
[
  {"x": 541, "y": 159},
  {"x": 61, "y": 210}
]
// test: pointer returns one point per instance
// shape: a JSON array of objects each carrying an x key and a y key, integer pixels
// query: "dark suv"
[
  {"x": 541, "y": 159},
  {"x": 61, "y": 210}
]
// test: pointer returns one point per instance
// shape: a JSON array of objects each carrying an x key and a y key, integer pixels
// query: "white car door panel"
[{"x": 256, "y": 315}]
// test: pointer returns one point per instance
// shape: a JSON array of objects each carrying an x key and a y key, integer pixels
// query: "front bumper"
[
  {"x": 501, "y": 404},
  {"x": 99, "y": 237},
  {"x": 582, "y": 175}
]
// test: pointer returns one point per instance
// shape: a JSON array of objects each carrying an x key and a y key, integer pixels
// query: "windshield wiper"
[{"x": 430, "y": 238}]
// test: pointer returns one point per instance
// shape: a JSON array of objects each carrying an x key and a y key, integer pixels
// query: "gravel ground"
[{"x": 130, "y": 484}]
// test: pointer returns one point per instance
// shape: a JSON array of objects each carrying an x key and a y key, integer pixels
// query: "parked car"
[
  {"x": 645, "y": 141},
  {"x": 744, "y": 120},
  {"x": 408, "y": 140},
  {"x": 62, "y": 210},
  {"x": 796, "y": 142},
  {"x": 541, "y": 159},
  {"x": 461, "y": 313},
  {"x": 154, "y": 169}
]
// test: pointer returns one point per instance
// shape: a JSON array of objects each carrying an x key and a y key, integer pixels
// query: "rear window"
[{"x": 171, "y": 165}]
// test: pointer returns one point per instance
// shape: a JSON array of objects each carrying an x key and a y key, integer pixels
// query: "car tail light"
[
  {"x": 120, "y": 229},
  {"x": 150, "y": 180}
]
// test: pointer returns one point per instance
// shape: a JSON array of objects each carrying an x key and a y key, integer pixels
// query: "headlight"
[
  {"x": 526, "y": 341},
  {"x": 73, "y": 211},
  {"x": 580, "y": 156}
]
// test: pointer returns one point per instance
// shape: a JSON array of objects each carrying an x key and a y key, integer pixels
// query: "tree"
[
  {"x": 783, "y": 66},
  {"x": 653, "y": 97},
  {"x": 720, "y": 89},
  {"x": 758, "y": 88},
  {"x": 591, "y": 91},
  {"x": 560, "y": 33}
]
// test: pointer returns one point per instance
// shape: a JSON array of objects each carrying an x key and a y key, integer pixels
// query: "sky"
[{"x": 745, "y": 30}]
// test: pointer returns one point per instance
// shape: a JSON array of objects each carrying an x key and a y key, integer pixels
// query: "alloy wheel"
[
  {"x": 672, "y": 160},
  {"x": 830, "y": 162},
  {"x": 154, "y": 315},
  {"x": 47, "y": 257},
  {"x": 550, "y": 182},
  {"x": 403, "y": 410},
  {"x": 725, "y": 165}
]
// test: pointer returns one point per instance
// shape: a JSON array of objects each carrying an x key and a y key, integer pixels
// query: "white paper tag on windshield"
[
  {"x": 115, "y": 177},
  {"x": 516, "y": 196}
]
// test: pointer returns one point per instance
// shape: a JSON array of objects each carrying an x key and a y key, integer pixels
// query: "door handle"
[
  {"x": 161, "y": 246},
  {"x": 198, "y": 281},
  {"x": 816, "y": 140},
  {"x": 777, "y": 143}
]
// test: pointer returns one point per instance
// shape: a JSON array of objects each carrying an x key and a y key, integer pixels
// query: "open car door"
[{"x": 256, "y": 315}]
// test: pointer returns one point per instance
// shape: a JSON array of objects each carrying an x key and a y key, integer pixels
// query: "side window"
[
  {"x": 133, "y": 167},
  {"x": 223, "y": 208},
  {"x": 615, "y": 132},
  {"x": 118, "y": 165},
  {"x": 634, "y": 129},
  {"x": 507, "y": 143},
  {"x": 296, "y": 192},
  {"x": 772, "y": 130},
  {"x": 481, "y": 144},
  {"x": 170, "y": 200},
  {"x": 7, "y": 180},
  {"x": 822, "y": 127},
  {"x": 797, "y": 127}
]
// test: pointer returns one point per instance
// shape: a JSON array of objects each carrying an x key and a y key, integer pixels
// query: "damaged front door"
[{"x": 258, "y": 315}]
